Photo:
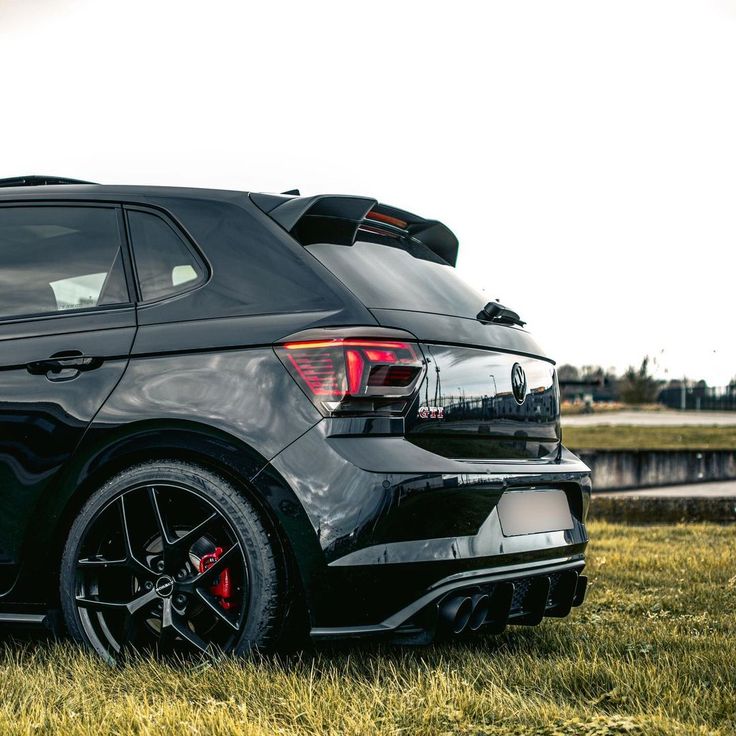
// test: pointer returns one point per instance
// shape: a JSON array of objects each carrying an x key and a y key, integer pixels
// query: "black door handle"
[{"x": 61, "y": 363}]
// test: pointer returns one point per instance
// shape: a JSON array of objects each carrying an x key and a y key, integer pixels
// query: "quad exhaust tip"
[
  {"x": 473, "y": 610},
  {"x": 464, "y": 612},
  {"x": 455, "y": 613},
  {"x": 481, "y": 605}
]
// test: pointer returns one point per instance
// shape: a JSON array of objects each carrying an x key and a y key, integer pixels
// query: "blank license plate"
[{"x": 532, "y": 512}]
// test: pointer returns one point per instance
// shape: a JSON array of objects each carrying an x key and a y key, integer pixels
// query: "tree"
[
  {"x": 637, "y": 386},
  {"x": 567, "y": 372}
]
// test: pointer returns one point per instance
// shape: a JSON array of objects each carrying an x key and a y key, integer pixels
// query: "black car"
[{"x": 230, "y": 419}]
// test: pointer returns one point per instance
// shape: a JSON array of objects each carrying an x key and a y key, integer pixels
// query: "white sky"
[{"x": 583, "y": 152}]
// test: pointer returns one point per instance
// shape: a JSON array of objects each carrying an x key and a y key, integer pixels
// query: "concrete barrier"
[
  {"x": 623, "y": 509},
  {"x": 660, "y": 510},
  {"x": 621, "y": 469}
]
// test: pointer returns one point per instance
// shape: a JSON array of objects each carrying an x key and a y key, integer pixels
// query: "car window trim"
[
  {"x": 186, "y": 239},
  {"x": 122, "y": 244}
]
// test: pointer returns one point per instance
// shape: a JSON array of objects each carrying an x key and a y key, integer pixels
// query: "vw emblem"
[
  {"x": 164, "y": 586},
  {"x": 518, "y": 383}
]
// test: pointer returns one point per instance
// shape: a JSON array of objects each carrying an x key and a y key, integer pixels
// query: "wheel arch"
[{"x": 104, "y": 453}]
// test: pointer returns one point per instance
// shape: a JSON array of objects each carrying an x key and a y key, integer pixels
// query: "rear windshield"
[{"x": 400, "y": 276}]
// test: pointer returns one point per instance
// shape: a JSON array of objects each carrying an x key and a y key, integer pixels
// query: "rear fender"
[{"x": 104, "y": 453}]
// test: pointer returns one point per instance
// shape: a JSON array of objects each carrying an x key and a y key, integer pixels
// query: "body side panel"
[{"x": 44, "y": 416}]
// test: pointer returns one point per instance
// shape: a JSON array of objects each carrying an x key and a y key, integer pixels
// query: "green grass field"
[
  {"x": 625, "y": 437},
  {"x": 653, "y": 651}
]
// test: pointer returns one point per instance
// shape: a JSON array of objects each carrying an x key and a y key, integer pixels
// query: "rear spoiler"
[{"x": 337, "y": 218}]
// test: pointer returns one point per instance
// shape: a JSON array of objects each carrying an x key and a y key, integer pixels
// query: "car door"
[{"x": 67, "y": 323}]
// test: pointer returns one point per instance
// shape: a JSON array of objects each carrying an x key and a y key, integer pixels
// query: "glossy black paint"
[
  {"x": 480, "y": 417},
  {"x": 43, "y": 415},
  {"x": 387, "y": 522},
  {"x": 371, "y": 512}
]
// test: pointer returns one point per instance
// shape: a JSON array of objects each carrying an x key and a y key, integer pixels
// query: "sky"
[{"x": 583, "y": 152}]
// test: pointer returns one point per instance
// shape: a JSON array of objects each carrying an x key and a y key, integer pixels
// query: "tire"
[{"x": 141, "y": 568}]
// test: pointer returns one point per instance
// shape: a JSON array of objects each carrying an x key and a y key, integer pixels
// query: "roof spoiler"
[
  {"x": 38, "y": 181},
  {"x": 336, "y": 218}
]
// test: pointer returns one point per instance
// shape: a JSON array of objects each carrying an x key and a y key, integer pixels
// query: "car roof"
[
  {"x": 52, "y": 187},
  {"x": 288, "y": 209}
]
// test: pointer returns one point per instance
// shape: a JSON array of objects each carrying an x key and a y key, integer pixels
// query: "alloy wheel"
[{"x": 161, "y": 569}]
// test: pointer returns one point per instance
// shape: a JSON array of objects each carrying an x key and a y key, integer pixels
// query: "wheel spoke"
[
  {"x": 99, "y": 563},
  {"x": 158, "y": 516},
  {"x": 212, "y": 604},
  {"x": 167, "y": 633},
  {"x": 173, "y": 625},
  {"x": 131, "y": 608},
  {"x": 133, "y": 561},
  {"x": 139, "y": 603},
  {"x": 182, "y": 630},
  {"x": 96, "y": 605},
  {"x": 190, "y": 537}
]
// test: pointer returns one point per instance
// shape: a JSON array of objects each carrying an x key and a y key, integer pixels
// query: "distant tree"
[
  {"x": 675, "y": 383},
  {"x": 637, "y": 386},
  {"x": 593, "y": 374},
  {"x": 605, "y": 381},
  {"x": 576, "y": 381},
  {"x": 568, "y": 372}
]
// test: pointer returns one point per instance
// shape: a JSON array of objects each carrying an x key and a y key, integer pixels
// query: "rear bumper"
[
  {"x": 514, "y": 595},
  {"x": 393, "y": 529}
]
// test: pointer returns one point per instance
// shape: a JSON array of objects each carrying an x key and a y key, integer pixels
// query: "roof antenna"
[{"x": 293, "y": 192}]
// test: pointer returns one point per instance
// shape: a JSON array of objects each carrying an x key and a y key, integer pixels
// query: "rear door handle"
[{"x": 55, "y": 365}]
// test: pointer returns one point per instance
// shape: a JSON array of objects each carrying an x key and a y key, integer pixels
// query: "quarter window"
[
  {"x": 164, "y": 263},
  {"x": 54, "y": 259}
]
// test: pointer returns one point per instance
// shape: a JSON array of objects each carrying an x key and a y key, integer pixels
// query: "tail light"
[{"x": 351, "y": 376}]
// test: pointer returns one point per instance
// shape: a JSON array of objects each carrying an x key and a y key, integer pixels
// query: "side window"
[
  {"x": 164, "y": 263},
  {"x": 55, "y": 258}
]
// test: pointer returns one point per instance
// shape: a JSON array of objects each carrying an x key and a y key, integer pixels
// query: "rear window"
[{"x": 400, "y": 276}]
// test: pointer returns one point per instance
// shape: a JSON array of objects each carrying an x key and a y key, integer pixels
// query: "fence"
[{"x": 718, "y": 398}]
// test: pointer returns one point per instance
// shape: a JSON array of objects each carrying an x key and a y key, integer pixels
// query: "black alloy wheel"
[{"x": 169, "y": 558}]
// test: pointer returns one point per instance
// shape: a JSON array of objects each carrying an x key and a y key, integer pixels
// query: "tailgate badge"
[
  {"x": 518, "y": 383},
  {"x": 431, "y": 412}
]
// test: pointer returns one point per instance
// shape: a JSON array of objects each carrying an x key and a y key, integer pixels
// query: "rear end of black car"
[
  {"x": 442, "y": 495},
  {"x": 289, "y": 414}
]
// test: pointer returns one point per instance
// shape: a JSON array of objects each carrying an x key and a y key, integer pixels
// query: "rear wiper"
[{"x": 498, "y": 314}]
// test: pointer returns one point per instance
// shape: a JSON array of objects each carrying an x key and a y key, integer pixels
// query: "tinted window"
[
  {"x": 400, "y": 276},
  {"x": 164, "y": 263},
  {"x": 54, "y": 259}
]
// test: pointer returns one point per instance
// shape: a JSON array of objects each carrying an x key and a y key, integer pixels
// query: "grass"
[
  {"x": 652, "y": 651},
  {"x": 627, "y": 437}
]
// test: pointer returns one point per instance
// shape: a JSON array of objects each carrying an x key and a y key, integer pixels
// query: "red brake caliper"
[{"x": 221, "y": 588}]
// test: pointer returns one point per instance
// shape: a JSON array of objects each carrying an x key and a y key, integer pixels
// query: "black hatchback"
[{"x": 230, "y": 421}]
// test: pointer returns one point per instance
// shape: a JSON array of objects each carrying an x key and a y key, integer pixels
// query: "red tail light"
[{"x": 354, "y": 376}]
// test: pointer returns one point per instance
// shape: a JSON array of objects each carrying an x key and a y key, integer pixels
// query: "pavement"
[
  {"x": 717, "y": 489},
  {"x": 662, "y": 418}
]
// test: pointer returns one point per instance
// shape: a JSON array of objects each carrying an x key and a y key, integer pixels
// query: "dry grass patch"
[
  {"x": 653, "y": 651},
  {"x": 628, "y": 437}
]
